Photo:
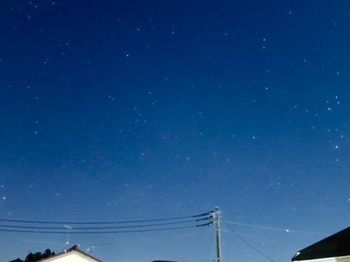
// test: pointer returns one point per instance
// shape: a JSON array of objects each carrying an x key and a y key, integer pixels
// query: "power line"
[
  {"x": 182, "y": 237},
  {"x": 110, "y": 227},
  {"x": 103, "y": 232},
  {"x": 248, "y": 243},
  {"x": 68, "y": 227},
  {"x": 194, "y": 217},
  {"x": 286, "y": 230}
]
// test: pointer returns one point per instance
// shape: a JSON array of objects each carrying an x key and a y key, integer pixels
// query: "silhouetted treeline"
[{"x": 33, "y": 257}]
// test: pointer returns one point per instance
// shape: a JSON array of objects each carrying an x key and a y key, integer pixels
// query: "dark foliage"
[{"x": 33, "y": 257}]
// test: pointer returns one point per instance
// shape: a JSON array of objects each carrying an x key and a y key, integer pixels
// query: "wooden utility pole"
[{"x": 217, "y": 217}]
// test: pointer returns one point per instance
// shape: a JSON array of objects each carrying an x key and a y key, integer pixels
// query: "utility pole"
[{"x": 217, "y": 217}]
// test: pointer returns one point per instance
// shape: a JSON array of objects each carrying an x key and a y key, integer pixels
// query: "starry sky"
[{"x": 113, "y": 110}]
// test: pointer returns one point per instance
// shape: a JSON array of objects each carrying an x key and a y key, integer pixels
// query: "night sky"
[{"x": 118, "y": 110}]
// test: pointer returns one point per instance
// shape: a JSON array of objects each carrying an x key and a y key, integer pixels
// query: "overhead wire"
[
  {"x": 102, "y": 232},
  {"x": 132, "y": 226},
  {"x": 194, "y": 217},
  {"x": 107, "y": 227},
  {"x": 248, "y": 243},
  {"x": 286, "y": 230},
  {"x": 68, "y": 227}
]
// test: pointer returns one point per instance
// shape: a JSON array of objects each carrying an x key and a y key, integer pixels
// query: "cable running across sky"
[
  {"x": 248, "y": 243},
  {"x": 286, "y": 230},
  {"x": 129, "y": 226},
  {"x": 194, "y": 217}
]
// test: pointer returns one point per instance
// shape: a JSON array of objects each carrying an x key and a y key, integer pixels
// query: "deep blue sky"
[{"x": 143, "y": 109}]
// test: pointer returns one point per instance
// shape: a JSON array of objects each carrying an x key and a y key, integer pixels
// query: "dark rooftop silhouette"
[{"x": 336, "y": 245}]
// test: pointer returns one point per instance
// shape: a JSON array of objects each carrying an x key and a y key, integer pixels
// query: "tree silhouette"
[{"x": 33, "y": 257}]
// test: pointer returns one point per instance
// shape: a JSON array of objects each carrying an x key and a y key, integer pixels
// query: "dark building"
[{"x": 333, "y": 248}]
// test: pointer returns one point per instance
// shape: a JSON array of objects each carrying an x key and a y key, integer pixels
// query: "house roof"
[
  {"x": 336, "y": 245},
  {"x": 51, "y": 256},
  {"x": 73, "y": 249}
]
